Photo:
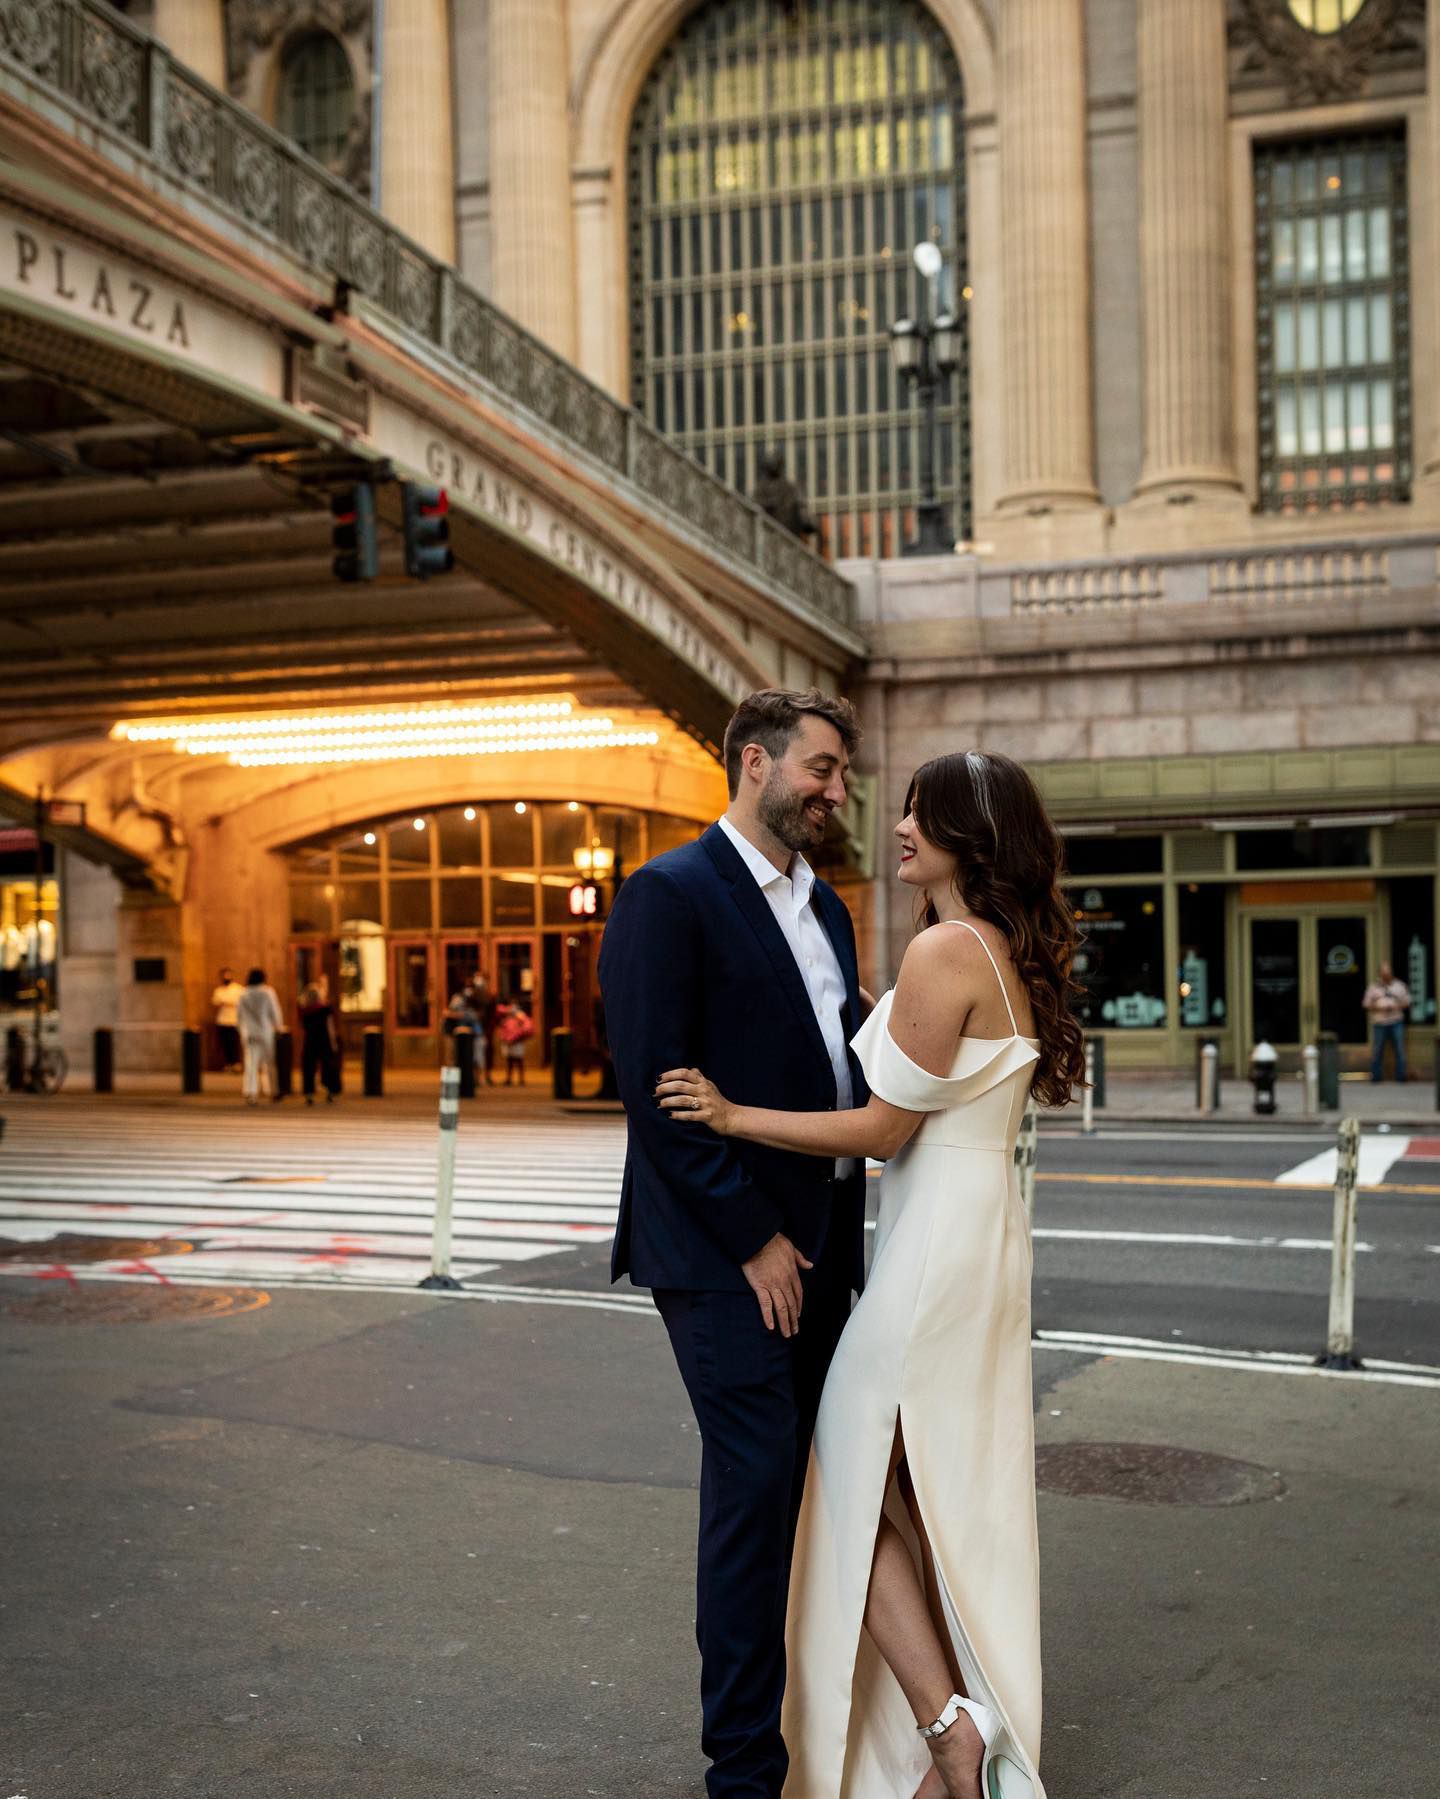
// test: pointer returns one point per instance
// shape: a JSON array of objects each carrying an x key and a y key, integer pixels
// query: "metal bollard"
[
  {"x": 104, "y": 1060},
  {"x": 14, "y": 1059},
  {"x": 1027, "y": 1144},
  {"x": 190, "y": 1042},
  {"x": 284, "y": 1063},
  {"x": 374, "y": 1062},
  {"x": 1097, "y": 1074},
  {"x": 1310, "y": 1075},
  {"x": 562, "y": 1063},
  {"x": 1329, "y": 1071},
  {"x": 464, "y": 1041},
  {"x": 1209, "y": 1077},
  {"x": 1340, "y": 1341},
  {"x": 440, "y": 1278},
  {"x": 1436, "y": 1066},
  {"x": 1087, "y": 1094}
]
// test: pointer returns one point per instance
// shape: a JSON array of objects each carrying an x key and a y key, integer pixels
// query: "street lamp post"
[{"x": 927, "y": 352}]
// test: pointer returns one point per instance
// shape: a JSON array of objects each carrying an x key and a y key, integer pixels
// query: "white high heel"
[{"x": 1001, "y": 1777}]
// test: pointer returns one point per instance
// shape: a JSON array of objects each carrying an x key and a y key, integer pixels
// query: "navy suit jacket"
[{"x": 696, "y": 972}]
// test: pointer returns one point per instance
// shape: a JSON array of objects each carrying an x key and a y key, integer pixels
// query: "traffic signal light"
[
  {"x": 427, "y": 531},
  {"x": 352, "y": 535}
]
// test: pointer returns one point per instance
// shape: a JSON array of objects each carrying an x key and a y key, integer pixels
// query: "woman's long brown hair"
[{"x": 985, "y": 811}]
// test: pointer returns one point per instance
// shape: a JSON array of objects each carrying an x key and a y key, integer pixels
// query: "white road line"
[
  {"x": 1378, "y": 1154},
  {"x": 1185, "y": 1239},
  {"x": 1192, "y": 1355}
]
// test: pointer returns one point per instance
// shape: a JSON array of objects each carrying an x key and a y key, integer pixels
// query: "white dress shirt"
[{"x": 789, "y": 898}]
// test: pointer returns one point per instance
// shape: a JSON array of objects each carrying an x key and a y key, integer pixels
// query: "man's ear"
[{"x": 755, "y": 761}]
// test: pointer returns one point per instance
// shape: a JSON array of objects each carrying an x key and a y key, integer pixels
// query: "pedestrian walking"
[
  {"x": 258, "y": 1016},
  {"x": 319, "y": 1045},
  {"x": 1387, "y": 1001},
  {"x": 516, "y": 1029},
  {"x": 224, "y": 999}
]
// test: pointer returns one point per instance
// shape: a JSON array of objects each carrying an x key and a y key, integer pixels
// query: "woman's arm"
[{"x": 876, "y": 1129}]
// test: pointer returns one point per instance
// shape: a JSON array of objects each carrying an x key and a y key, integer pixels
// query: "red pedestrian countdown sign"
[{"x": 584, "y": 900}]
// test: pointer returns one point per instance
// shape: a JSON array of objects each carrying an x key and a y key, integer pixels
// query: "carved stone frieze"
[
  {"x": 30, "y": 30},
  {"x": 190, "y": 132},
  {"x": 256, "y": 25},
  {"x": 1269, "y": 47},
  {"x": 111, "y": 73},
  {"x": 257, "y": 182}
]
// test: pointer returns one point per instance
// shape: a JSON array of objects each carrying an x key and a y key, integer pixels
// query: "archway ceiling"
[{"x": 148, "y": 567}]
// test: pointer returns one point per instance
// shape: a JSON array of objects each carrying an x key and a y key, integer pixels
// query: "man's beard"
[{"x": 782, "y": 812}]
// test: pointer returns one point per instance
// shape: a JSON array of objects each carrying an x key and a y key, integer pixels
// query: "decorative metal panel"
[
  {"x": 785, "y": 159},
  {"x": 1332, "y": 274}
]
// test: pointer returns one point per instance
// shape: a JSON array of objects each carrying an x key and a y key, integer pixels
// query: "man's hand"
[{"x": 775, "y": 1275}]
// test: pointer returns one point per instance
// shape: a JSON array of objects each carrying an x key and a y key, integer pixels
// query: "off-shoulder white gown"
[{"x": 941, "y": 1337}]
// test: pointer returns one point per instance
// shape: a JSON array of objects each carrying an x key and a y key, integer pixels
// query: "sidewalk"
[
  {"x": 1170, "y": 1099},
  {"x": 385, "y": 1547}
]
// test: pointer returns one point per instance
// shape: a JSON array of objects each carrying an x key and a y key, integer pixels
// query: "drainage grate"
[
  {"x": 70, "y": 1247},
  {"x": 107, "y": 1302},
  {"x": 1151, "y": 1474}
]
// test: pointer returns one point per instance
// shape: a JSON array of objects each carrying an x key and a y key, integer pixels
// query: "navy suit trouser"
[{"x": 755, "y": 1396}]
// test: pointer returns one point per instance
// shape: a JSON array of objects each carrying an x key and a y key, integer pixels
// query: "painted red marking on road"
[
  {"x": 143, "y": 1268},
  {"x": 336, "y": 1258},
  {"x": 57, "y": 1271},
  {"x": 1423, "y": 1149}
]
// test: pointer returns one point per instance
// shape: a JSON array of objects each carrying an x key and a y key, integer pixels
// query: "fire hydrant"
[{"x": 1263, "y": 1069}]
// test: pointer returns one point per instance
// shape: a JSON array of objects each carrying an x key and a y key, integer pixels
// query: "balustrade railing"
[{"x": 113, "y": 76}]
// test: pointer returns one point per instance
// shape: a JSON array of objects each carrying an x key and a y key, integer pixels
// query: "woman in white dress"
[{"x": 913, "y": 1636}]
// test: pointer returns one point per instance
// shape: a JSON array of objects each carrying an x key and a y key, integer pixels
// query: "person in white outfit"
[
  {"x": 258, "y": 1017},
  {"x": 913, "y": 1634}
]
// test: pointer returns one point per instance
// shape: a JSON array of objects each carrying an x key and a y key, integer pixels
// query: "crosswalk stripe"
[{"x": 328, "y": 1198}]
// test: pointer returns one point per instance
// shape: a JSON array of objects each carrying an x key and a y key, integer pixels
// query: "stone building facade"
[{"x": 1191, "y": 453}]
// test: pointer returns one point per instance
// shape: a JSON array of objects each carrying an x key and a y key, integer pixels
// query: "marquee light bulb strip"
[
  {"x": 297, "y": 740},
  {"x": 179, "y": 730}
]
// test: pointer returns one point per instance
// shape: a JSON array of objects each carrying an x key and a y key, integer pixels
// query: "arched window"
[
  {"x": 785, "y": 159},
  {"x": 317, "y": 95}
]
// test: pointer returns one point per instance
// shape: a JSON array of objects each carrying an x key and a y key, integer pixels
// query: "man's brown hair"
[{"x": 771, "y": 718}]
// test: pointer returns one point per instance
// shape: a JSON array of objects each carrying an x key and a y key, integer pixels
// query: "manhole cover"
[
  {"x": 1151, "y": 1474},
  {"x": 106, "y": 1302},
  {"x": 73, "y": 1247}
]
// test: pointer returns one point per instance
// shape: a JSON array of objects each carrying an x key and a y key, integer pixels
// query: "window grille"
[
  {"x": 784, "y": 161},
  {"x": 317, "y": 96},
  {"x": 1333, "y": 322}
]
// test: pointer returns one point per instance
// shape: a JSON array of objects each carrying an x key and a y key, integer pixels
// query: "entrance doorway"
[{"x": 1306, "y": 970}]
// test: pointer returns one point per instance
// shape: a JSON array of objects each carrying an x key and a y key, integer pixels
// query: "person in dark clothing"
[{"x": 320, "y": 1045}]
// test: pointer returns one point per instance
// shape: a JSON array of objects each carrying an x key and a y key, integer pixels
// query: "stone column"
[
  {"x": 532, "y": 255},
  {"x": 417, "y": 142},
  {"x": 1424, "y": 389},
  {"x": 1183, "y": 100},
  {"x": 1044, "y": 220},
  {"x": 193, "y": 31}
]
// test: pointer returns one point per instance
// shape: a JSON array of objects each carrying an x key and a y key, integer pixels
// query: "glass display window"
[
  {"x": 1202, "y": 975},
  {"x": 1412, "y": 943},
  {"x": 1120, "y": 963}
]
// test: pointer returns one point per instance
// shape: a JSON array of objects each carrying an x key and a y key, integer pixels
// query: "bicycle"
[{"x": 29, "y": 1071}]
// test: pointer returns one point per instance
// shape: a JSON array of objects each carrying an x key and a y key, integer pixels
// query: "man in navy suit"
[{"x": 728, "y": 955}]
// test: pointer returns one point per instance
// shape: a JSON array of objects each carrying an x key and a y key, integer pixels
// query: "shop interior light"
[{"x": 470, "y": 815}]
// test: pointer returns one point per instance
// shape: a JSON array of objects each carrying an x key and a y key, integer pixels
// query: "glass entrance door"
[{"x": 1307, "y": 975}]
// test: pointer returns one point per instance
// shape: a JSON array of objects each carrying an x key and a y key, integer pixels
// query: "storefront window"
[
  {"x": 669, "y": 833},
  {"x": 359, "y": 900},
  {"x": 1338, "y": 846},
  {"x": 409, "y": 843},
  {"x": 462, "y": 903},
  {"x": 562, "y": 832},
  {"x": 512, "y": 836},
  {"x": 1120, "y": 963},
  {"x": 459, "y": 837},
  {"x": 310, "y": 913},
  {"x": 619, "y": 832},
  {"x": 28, "y": 940},
  {"x": 1109, "y": 855},
  {"x": 1204, "y": 1001},
  {"x": 410, "y": 905},
  {"x": 1412, "y": 943},
  {"x": 362, "y": 966},
  {"x": 512, "y": 900}
]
